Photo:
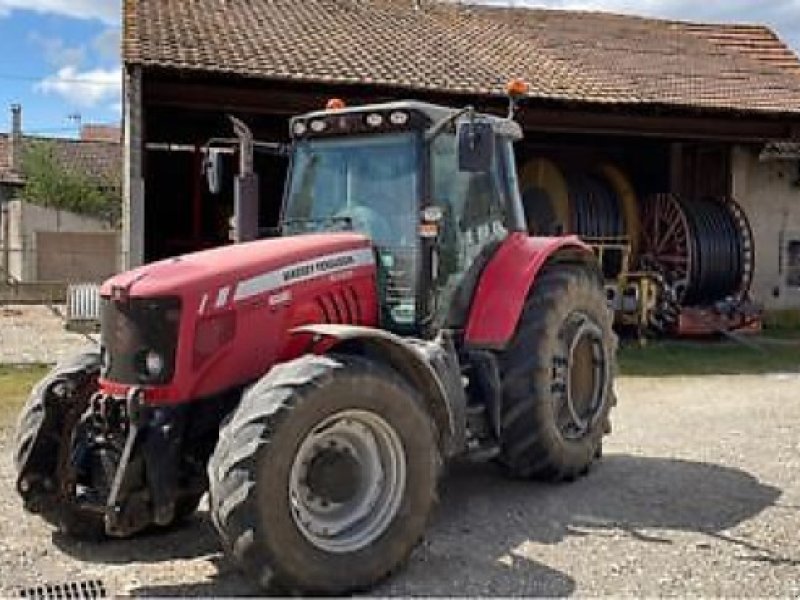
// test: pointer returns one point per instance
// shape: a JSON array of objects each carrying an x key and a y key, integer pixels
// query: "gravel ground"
[
  {"x": 698, "y": 494},
  {"x": 36, "y": 334}
]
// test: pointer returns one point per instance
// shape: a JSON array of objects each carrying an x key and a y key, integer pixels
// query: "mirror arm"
[
  {"x": 274, "y": 148},
  {"x": 245, "y": 138},
  {"x": 437, "y": 128}
]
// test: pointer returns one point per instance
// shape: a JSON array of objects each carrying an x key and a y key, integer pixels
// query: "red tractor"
[{"x": 315, "y": 383}]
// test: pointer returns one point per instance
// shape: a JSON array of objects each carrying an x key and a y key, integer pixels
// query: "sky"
[{"x": 60, "y": 58}]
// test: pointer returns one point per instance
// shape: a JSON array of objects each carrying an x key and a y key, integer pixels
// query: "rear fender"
[
  {"x": 508, "y": 279},
  {"x": 429, "y": 367}
]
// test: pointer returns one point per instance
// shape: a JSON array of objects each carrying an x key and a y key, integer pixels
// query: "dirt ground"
[
  {"x": 36, "y": 334},
  {"x": 698, "y": 494}
]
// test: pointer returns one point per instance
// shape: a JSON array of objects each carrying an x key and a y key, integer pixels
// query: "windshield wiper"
[
  {"x": 348, "y": 221},
  {"x": 440, "y": 126}
]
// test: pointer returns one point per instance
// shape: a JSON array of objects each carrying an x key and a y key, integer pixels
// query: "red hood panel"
[{"x": 228, "y": 264}]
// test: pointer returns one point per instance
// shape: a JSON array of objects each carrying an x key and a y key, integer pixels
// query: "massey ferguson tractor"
[{"x": 315, "y": 383}]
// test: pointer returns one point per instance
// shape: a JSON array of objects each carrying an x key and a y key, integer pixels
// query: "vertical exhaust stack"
[{"x": 15, "y": 139}]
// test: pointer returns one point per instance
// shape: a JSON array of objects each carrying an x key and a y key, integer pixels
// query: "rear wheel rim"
[
  {"x": 581, "y": 377},
  {"x": 347, "y": 481}
]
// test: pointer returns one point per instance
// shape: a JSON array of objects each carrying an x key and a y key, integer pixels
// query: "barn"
[{"x": 673, "y": 146}]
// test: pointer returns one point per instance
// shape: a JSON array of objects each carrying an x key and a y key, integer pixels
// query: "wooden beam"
[
  {"x": 133, "y": 180},
  {"x": 696, "y": 127},
  {"x": 260, "y": 97}
]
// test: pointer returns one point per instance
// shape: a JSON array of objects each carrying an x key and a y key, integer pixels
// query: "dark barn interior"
[{"x": 183, "y": 114}]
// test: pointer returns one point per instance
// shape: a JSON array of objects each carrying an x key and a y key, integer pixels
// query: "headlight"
[
  {"x": 374, "y": 119},
  {"x": 154, "y": 363},
  {"x": 318, "y": 126},
  {"x": 398, "y": 118},
  {"x": 299, "y": 128}
]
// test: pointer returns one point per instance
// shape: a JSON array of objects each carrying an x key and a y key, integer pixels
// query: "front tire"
[
  {"x": 324, "y": 477},
  {"x": 557, "y": 377},
  {"x": 42, "y": 445}
]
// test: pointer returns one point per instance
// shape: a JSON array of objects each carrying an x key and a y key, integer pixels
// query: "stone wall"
[{"x": 769, "y": 192}]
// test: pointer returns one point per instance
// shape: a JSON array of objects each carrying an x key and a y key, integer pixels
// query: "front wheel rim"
[{"x": 347, "y": 481}]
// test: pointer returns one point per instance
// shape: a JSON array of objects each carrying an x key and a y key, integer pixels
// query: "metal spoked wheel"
[
  {"x": 347, "y": 481},
  {"x": 583, "y": 378},
  {"x": 667, "y": 241},
  {"x": 746, "y": 246}
]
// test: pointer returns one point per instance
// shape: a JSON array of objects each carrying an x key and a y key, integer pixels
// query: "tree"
[{"x": 52, "y": 183}]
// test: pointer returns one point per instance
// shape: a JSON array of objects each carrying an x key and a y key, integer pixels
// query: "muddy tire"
[
  {"x": 324, "y": 478},
  {"x": 42, "y": 444},
  {"x": 557, "y": 377}
]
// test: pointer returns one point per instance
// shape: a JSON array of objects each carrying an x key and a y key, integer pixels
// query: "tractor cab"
[{"x": 434, "y": 188}]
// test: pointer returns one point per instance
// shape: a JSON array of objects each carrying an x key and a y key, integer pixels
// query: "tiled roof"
[
  {"x": 101, "y": 161},
  {"x": 758, "y": 42},
  {"x": 566, "y": 56}
]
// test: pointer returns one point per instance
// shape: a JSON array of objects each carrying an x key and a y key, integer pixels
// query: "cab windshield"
[{"x": 367, "y": 184}]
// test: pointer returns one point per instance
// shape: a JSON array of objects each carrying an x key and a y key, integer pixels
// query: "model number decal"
[{"x": 283, "y": 297}]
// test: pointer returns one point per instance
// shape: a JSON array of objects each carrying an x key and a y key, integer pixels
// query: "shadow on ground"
[
  {"x": 194, "y": 538},
  {"x": 483, "y": 517}
]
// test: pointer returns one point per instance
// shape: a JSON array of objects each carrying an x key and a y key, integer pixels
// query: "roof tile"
[
  {"x": 101, "y": 161},
  {"x": 568, "y": 56}
]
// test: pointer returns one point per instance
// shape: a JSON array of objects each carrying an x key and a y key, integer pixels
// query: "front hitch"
[{"x": 154, "y": 435}]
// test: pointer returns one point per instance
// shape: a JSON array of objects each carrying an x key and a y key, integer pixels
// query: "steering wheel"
[{"x": 367, "y": 221}]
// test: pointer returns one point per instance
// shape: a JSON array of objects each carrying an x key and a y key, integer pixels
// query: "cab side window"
[{"x": 473, "y": 215}]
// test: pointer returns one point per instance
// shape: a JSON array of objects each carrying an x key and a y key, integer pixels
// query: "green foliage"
[
  {"x": 15, "y": 385},
  {"x": 756, "y": 355},
  {"x": 49, "y": 182},
  {"x": 788, "y": 319}
]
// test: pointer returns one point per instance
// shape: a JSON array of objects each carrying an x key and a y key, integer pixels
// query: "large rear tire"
[
  {"x": 42, "y": 445},
  {"x": 324, "y": 477},
  {"x": 557, "y": 377}
]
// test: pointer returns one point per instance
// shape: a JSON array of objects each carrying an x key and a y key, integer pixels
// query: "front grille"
[{"x": 131, "y": 329}]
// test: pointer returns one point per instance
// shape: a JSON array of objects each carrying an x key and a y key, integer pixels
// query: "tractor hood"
[{"x": 243, "y": 266}]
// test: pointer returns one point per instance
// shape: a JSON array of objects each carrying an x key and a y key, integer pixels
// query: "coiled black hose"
[
  {"x": 597, "y": 215},
  {"x": 596, "y": 209},
  {"x": 717, "y": 246}
]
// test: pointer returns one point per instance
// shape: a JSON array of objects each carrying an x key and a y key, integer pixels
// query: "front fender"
[
  {"x": 431, "y": 368},
  {"x": 507, "y": 280}
]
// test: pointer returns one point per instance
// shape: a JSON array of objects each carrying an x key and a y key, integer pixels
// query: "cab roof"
[{"x": 433, "y": 113}]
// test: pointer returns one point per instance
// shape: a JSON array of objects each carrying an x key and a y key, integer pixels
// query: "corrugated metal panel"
[{"x": 83, "y": 303}]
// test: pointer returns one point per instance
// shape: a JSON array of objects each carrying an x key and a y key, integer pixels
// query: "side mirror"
[
  {"x": 213, "y": 169},
  {"x": 475, "y": 146}
]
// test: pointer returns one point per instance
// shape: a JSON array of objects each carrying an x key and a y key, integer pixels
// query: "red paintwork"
[
  {"x": 695, "y": 321},
  {"x": 505, "y": 283},
  {"x": 261, "y": 336}
]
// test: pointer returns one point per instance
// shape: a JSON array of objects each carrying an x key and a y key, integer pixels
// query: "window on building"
[{"x": 792, "y": 264}]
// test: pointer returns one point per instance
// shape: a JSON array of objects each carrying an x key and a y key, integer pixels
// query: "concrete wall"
[
  {"x": 76, "y": 257},
  {"x": 770, "y": 195},
  {"x": 73, "y": 247}
]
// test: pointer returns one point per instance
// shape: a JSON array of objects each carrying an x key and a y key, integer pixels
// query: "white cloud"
[
  {"x": 107, "y": 44},
  {"x": 56, "y": 52},
  {"x": 85, "y": 89},
  {"x": 108, "y": 11}
]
